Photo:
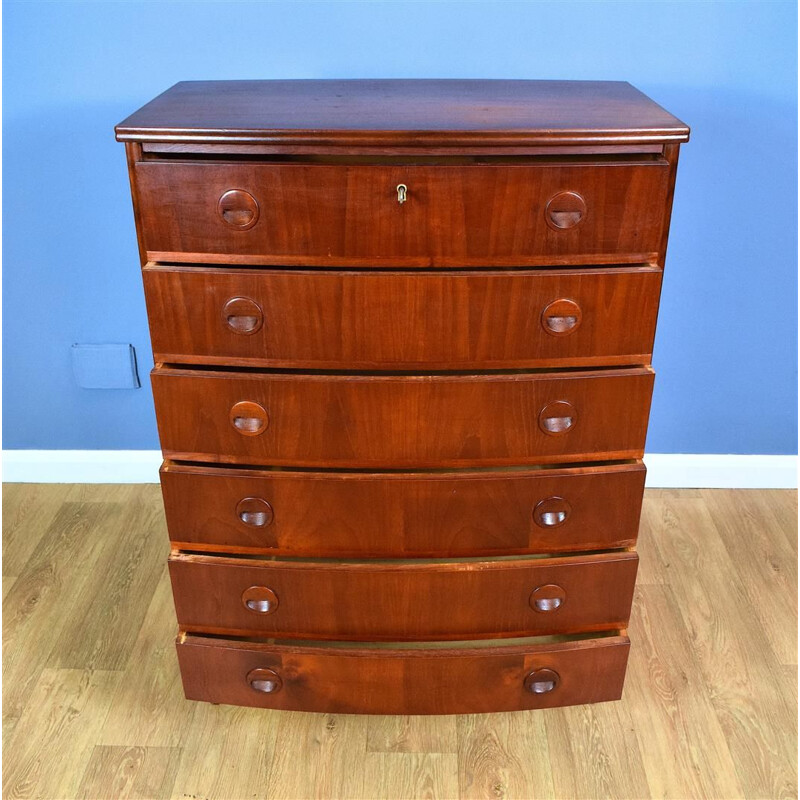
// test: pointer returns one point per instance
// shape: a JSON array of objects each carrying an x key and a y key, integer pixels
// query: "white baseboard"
[
  {"x": 712, "y": 471},
  {"x": 664, "y": 470},
  {"x": 81, "y": 466}
]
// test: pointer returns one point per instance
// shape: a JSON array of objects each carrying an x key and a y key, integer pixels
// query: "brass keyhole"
[{"x": 402, "y": 191}]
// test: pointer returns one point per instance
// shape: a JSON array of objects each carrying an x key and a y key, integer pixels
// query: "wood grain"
[
  {"x": 395, "y": 113},
  {"x": 723, "y": 652},
  {"x": 399, "y": 320},
  {"x": 444, "y": 514},
  {"x": 708, "y": 711},
  {"x": 369, "y": 680},
  {"x": 221, "y": 739},
  {"x": 504, "y": 755},
  {"x": 393, "y": 601},
  {"x": 129, "y": 773},
  {"x": 594, "y": 752},
  {"x": 66, "y": 708},
  {"x": 386, "y": 421},
  {"x": 455, "y": 216}
]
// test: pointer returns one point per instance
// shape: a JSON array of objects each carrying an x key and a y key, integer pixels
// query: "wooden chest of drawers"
[{"x": 402, "y": 334}]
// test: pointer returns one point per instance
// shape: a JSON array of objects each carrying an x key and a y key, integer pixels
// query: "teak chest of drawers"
[{"x": 402, "y": 335}]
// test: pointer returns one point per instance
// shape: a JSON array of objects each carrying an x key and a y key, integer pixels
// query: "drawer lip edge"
[
  {"x": 354, "y": 649},
  {"x": 489, "y": 270},
  {"x": 163, "y": 369},
  {"x": 579, "y": 260},
  {"x": 481, "y": 564},
  {"x": 466, "y": 473}
]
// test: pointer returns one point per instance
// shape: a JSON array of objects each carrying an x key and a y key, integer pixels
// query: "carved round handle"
[
  {"x": 243, "y": 315},
  {"x": 250, "y": 419},
  {"x": 557, "y": 417},
  {"x": 561, "y": 317},
  {"x": 238, "y": 209},
  {"x": 542, "y": 681},
  {"x": 565, "y": 210},
  {"x": 260, "y": 600},
  {"x": 551, "y": 512},
  {"x": 255, "y": 512},
  {"x": 264, "y": 680},
  {"x": 547, "y": 598}
]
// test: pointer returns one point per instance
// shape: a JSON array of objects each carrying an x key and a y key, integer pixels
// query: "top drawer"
[{"x": 450, "y": 215}]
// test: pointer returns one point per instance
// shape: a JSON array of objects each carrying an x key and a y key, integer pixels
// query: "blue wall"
[{"x": 726, "y": 345}]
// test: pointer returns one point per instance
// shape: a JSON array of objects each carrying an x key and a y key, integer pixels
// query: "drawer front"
[
  {"x": 356, "y": 680},
  {"x": 403, "y": 600},
  {"x": 452, "y": 215},
  {"x": 343, "y": 514},
  {"x": 363, "y": 320},
  {"x": 401, "y": 421}
]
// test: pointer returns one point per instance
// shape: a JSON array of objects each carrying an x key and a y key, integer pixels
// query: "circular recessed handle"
[
  {"x": 547, "y": 598},
  {"x": 557, "y": 417},
  {"x": 551, "y": 512},
  {"x": 243, "y": 315},
  {"x": 264, "y": 680},
  {"x": 561, "y": 317},
  {"x": 255, "y": 512},
  {"x": 238, "y": 209},
  {"x": 250, "y": 419},
  {"x": 260, "y": 600},
  {"x": 565, "y": 210},
  {"x": 542, "y": 681}
]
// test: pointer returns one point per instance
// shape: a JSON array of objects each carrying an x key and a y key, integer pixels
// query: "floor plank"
[
  {"x": 40, "y": 602},
  {"x": 764, "y": 560},
  {"x": 412, "y": 734},
  {"x": 8, "y": 582},
  {"x": 671, "y": 707},
  {"x": 28, "y": 510},
  {"x": 730, "y": 646},
  {"x": 220, "y": 740},
  {"x": 101, "y": 635},
  {"x": 594, "y": 752},
  {"x": 321, "y": 756},
  {"x": 411, "y": 776},
  {"x": 149, "y": 708},
  {"x": 57, "y": 730},
  {"x": 130, "y": 773},
  {"x": 504, "y": 756}
]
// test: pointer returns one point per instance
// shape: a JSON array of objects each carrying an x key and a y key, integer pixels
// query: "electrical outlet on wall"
[{"x": 105, "y": 366}]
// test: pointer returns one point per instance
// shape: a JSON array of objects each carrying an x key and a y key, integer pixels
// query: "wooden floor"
[{"x": 93, "y": 708}]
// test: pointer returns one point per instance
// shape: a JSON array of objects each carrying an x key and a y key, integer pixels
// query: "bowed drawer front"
[
  {"x": 402, "y": 334},
  {"x": 402, "y": 320},
  {"x": 403, "y": 600},
  {"x": 402, "y": 514},
  {"x": 449, "y": 215},
  {"x": 395, "y": 680},
  {"x": 355, "y": 421}
]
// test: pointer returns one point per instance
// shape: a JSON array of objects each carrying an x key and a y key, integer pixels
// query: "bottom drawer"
[{"x": 405, "y": 679}]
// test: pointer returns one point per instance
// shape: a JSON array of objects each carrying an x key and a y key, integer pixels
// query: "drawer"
[
  {"x": 397, "y": 421},
  {"x": 390, "y": 600},
  {"x": 443, "y": 514},
  {"x": 396, "y": 680},
  {"x": 538, "y": 212},
  {"x": 390, "y": 319}
]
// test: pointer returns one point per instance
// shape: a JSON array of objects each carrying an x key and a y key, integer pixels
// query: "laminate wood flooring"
[{"x": 93, "y": 706}]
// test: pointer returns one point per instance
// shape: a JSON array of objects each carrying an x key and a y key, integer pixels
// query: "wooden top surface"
[{"x": 443, "y": 113}]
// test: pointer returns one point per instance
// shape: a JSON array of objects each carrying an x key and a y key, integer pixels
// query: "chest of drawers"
[{"x": 402, "y": 334}]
